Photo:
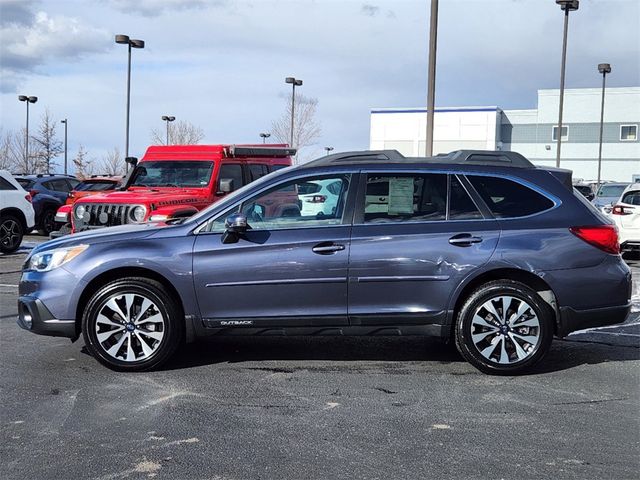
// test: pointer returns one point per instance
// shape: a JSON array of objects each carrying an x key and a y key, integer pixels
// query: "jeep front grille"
[{"x": 102, "y": 215}]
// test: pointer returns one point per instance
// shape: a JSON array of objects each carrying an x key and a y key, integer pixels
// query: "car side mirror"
[
  {"x": 226, "y": 185},
  {"x": 591, "y": 196},
  {"x": 235, "y": 227}
]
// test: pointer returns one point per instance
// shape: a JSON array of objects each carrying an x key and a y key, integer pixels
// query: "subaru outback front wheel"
[
  {"x": 132, "y": 324},
  {"x": 504, "y": 327}
]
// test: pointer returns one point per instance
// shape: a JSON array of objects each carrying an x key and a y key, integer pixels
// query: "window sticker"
[{"x": 400, "y": 195}]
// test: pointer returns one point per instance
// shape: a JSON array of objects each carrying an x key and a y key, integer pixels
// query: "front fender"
[{"x": 172, "y": 211}]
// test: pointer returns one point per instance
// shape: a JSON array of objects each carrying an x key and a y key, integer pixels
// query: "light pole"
[
  {"x": 28, "y": 100},
  {"x": 328, "y": 149},
  {"x": 168, "y": 118},
  {"x": 603, "y": 68},
  {"x": 125, "y": 40},
  {"x": 567, "y": 6},
  {"x": 431, "y": 82},
  {"x": 264, "y": 137},
  {"x": 294, "y": 83},
  {"x": 65, "y": 144}
]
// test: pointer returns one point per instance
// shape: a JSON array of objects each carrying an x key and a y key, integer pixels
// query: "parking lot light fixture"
[
  {"x": 264, "y": 136},
  {"x": 567, "y": 6},
  {"x": 168, "y": 119},
  {"x": 131, "y": 43},
  {"x": 295, "y": 82},
  {"x": 328, "y": 149},
  {"x": 27, "y": 100},
  {"x": 603, "y": 68},
  {"x": 65, "y": 144}
]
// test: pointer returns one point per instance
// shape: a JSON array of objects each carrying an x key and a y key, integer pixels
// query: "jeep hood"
[{"x": 159, "y": 198}]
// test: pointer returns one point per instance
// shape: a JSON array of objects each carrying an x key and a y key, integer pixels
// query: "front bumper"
[
  {"x": 34, "y": 316},
  {"x": 572, "y": 320}
]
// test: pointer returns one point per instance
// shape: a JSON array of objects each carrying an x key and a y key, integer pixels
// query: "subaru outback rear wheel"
[
  {"x": 132, "y": 324},
  {"x": 504, "y": 327}
]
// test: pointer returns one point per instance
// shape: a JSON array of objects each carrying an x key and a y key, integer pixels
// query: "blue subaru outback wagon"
[{"x": 480, "y": 247}]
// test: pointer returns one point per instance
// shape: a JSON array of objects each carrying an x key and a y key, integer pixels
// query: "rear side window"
[
  {"x": 405, "y": 197},
  {"x": 461, "y": 207},
  {"x": 257, "y": 170},
  {"x": 632, "y": 198},
  {"x": 4, "y": 185},
  {"x": 508, "y": 199}
]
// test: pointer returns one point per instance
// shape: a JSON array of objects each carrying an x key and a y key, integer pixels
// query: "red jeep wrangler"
[{"x": 177, "y": 181}]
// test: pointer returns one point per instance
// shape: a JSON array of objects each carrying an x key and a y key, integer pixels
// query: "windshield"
[
  {"x": 172, "y": 173},
  {"x": 95, "y": 186},
  {"x": 611, "y": 190}
]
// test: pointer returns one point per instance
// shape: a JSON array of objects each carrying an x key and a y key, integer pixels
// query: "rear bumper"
[
  {"x": 572, "y": 320},
  {"x": 34, "y": 316}
]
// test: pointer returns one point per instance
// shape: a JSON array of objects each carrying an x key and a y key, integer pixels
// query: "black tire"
[
  {"x": 503, "y": 339},
  {"x": 164, "y": 304},
  {"x": 47, "y": 222},
  {"x": 11, "y": 233}
]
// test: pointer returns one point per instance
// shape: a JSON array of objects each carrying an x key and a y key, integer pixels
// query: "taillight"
[
  {"x": 316, "y": 199},
  {"x": 620, "y": 210},
  {"x": 28, "y": 198},
  {"x": 604, "y": 237},
  {"x": 33, "y": 193}
]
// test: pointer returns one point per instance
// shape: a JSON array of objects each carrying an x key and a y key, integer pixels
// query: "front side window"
[
  {"x": 233, "y": 172},
  {"x": 299, "y": 203},
  {"x": 172, "y": 173},
  {"x": 294, "y": 204},
  {"x": 508, "y": 199},
  {"x": 405, "y": 197}
]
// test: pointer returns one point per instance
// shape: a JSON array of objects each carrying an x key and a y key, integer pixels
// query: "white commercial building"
[{"x": 529, "y": 132}]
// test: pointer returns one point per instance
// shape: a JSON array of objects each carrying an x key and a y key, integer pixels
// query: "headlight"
[
  {"x": 80, "y": 209},
  {"x": 138, "y": 214},
  {"x": 50, "y": 259}
]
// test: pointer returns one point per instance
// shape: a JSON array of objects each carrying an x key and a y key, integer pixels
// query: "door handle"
[
  {"x": 327, "y": 248},
  {"x": 464, "y": 240}
]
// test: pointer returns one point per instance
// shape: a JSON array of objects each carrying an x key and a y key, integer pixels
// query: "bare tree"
[
  {"x": 84, "y": 166},
  {"x": 306, "y": 129},
  {"x": 50, "y": 146},
  {"x": 181, "y": 132},
  {"x": 7, "y": 160},
  {"x": 112, "y": 163},
  {"x": 14, "y": 142}
]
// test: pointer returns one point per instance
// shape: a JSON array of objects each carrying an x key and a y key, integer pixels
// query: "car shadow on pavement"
[
  {"x": 330, "y": 348},
  {"x": 562, "y": 356}
]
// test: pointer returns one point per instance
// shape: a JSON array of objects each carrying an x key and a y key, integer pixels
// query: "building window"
[
  {"x": 565, "y": 134},
  {"x": 629, "y": 133}
]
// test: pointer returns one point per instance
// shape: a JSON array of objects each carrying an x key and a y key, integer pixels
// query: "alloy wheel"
[
  {"x": 505, "y": 330},
  {"x": 10, "y": 233},
  {"x": 130, "y": 327}
]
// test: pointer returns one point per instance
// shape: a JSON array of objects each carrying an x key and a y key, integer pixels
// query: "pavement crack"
[
  {"x": 581, "y": 402},
  {"x": 384, "y": 390}
]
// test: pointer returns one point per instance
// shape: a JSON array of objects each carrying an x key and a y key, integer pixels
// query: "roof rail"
[
  {"x": 365, "y": 156},
  {"x": 253, "y": 151},
  {"x": 484, "y": 157}
]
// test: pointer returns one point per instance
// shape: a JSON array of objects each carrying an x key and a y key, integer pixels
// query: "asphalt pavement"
[{"x": 326, "y": 407}]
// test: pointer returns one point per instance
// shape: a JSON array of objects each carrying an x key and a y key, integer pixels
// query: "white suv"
[
  {"x": 626, "y": 214},
  {"x": 16, "y": 214}
]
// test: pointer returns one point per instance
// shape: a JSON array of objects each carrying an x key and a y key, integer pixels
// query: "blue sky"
[{"x": 221, "y": 64}]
